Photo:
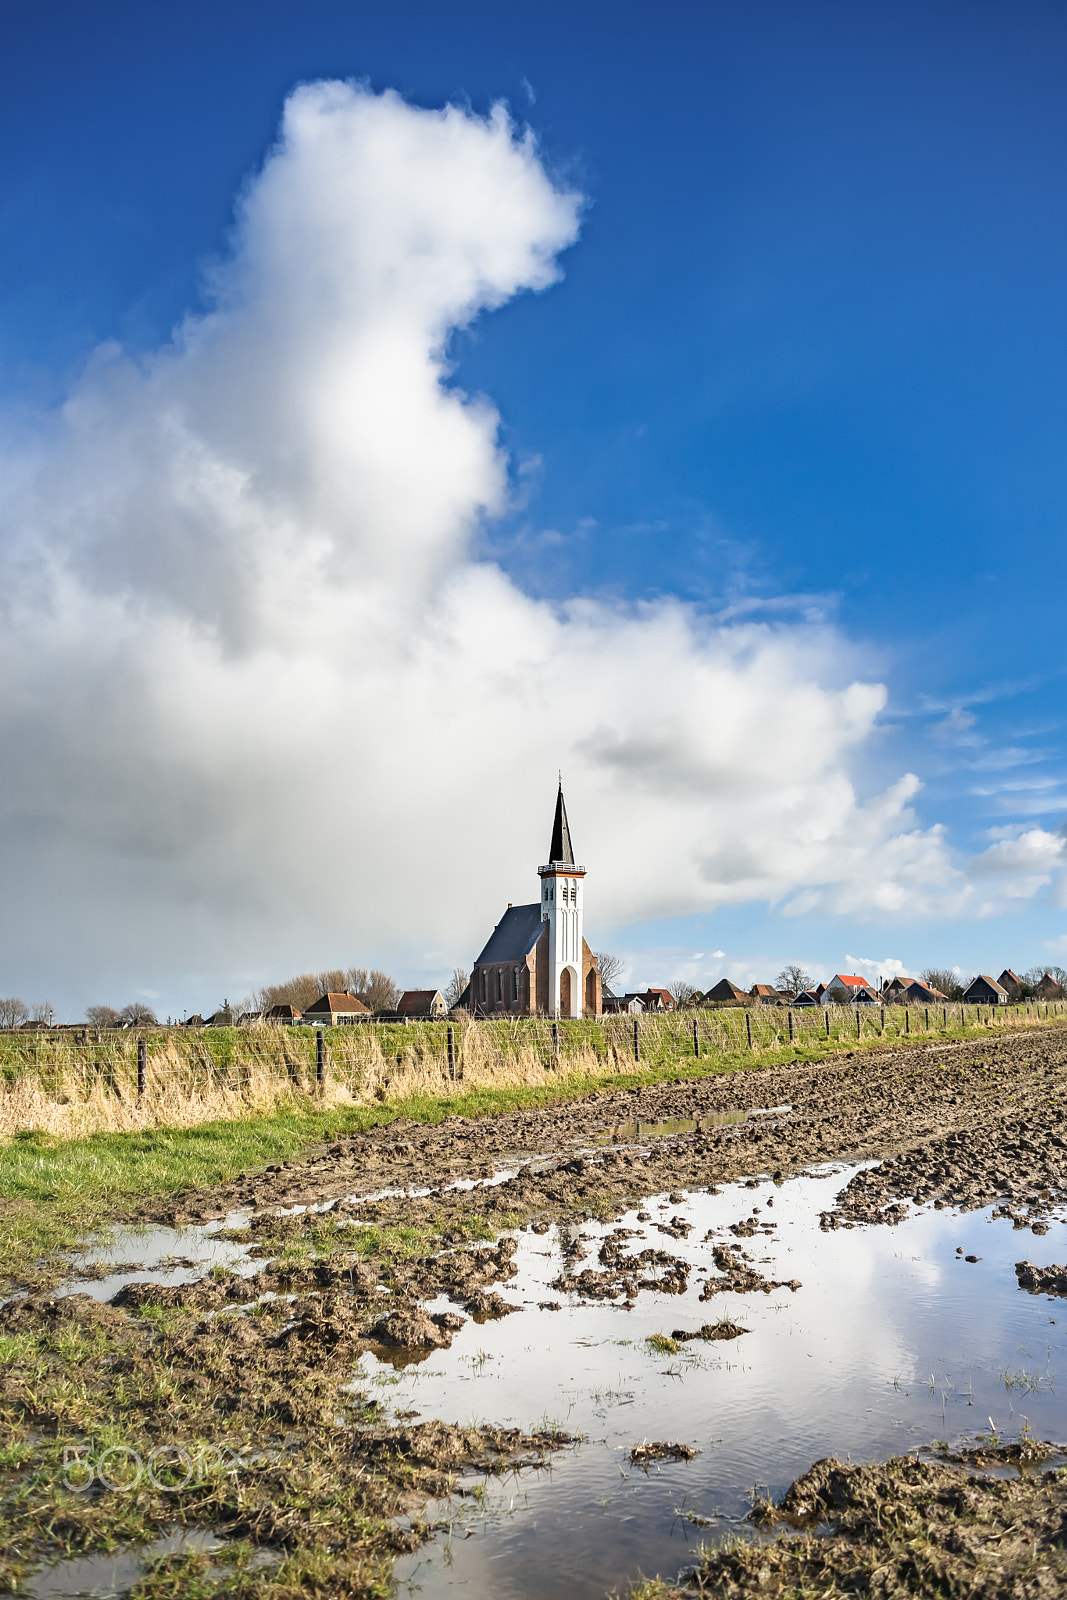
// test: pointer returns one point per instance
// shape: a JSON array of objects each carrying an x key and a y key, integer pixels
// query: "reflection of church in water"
[{"x": 536, "y": 962}]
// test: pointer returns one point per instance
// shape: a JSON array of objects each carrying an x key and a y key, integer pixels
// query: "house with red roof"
[{"x": 845, "y": 989}]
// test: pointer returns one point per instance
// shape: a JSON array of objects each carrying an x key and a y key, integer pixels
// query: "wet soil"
[
  {"x": 1041, "y": 1280},
  {"x": 908, "y": 1527}
]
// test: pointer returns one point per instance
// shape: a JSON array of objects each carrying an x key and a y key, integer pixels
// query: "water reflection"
[{"x": 893, "y": 1341}]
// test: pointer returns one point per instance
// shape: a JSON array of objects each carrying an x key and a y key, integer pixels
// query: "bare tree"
[
  {"x": 682, "y": 992},
  {"x": 302, "y": 990},
  {"x": 1034, "y": 975},
  {"x": 13, "y": 1012},
  {"x": 103, "y": 1016},
  {"x": 138, "y": 1015},
  {"x": 356, "y": 980},
  {"x": 382, "y": 992},
  {"x": 455, "y": 987},
  {"x": 611, "y": 968},
  {"x": 794, "y": 979},
  {"x": 42, "y": 1011},
  {"x": 941, "y": 978}
]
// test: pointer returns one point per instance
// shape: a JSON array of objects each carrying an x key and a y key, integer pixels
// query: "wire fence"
[{"x": 65, "y": 1080}]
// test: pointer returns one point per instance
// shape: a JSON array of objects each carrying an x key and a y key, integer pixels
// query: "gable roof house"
[
  {"x": 911, "y": 992},
  {"x": 330, "y": 1009},
  {"x": 1011, "y": 983},
  {"x": 286, "y": 1014},
  {"x": 725, "y": 993},
  {"x": 845, "y": 989},
  {"x": 656, "y": 999},
  {"x": 985, "y": 991},
  {"x": 421, "y": 1003},
  {"x": 622, "y": 1004},
  {"x": 1048, "y": 988},
  {"x": 807, "y": 997},
  {"x": 765, "y": 994}
]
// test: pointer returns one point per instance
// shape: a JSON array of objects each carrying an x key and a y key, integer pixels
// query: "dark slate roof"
[
  {"x": 514, "y": 935},
  {"x": 560, "y": 849}
]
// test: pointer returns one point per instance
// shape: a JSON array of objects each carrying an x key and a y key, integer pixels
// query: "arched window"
[{"x": 515, "y": 996}]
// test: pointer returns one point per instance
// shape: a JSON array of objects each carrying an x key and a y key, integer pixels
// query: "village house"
[
  {"x": 622, "y": 1004},
  {"x": 1012, "y": 984},
  {"x": 985, "y": 991},
  {"x": 536, "y": 961},
  {"x": 654, "y": 999},
  {"x": 1048, "y": 989},
  {"x": 765, "y": 994},
  {"x": 845, "y": 989},
  {"x": 329, "y": 1010},
  {"x": 911, "y": 992},
  {"x": 421, "y": 1003},
  {"x": 285, "y": 1014},
  {"x": 725, "y": 993}
]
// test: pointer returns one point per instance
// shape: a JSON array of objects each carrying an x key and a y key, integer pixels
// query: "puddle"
[
  {"x": 170, "y": 1256},
  {"x": 892, "y": 1341},
  {"x": 101, "y": 1576}
]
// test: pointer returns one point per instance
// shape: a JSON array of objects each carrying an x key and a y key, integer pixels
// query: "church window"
[
  {"x": 516, "y": 985},
  {"x": 500, "y": 983}
]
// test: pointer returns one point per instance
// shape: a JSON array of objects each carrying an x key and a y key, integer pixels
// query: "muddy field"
[
  {"x": 361, "y": 1246},
  {"x": 964, "y": 1122}
]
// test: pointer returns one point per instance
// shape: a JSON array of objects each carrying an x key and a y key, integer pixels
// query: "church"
[{"x": 536, "y": 962}]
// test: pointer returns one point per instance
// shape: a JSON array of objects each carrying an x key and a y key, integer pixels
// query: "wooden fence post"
[
  {"x": 790, "y": 1025},
  {"x": 637, "y": 1044},
  {"x": 696, "y": 1040},
  {"x": 907, "y": 1020},
  {"x": 320, "y": 1058},
  {"x": 451, "y": 1052},
  {"x": 859, "y": 1023},
  {"x": 748, "y": 1025},
  {"x": 827, "y": 1021},
  {"x": 142, "y": 1066},
  {"x": 555, "y": 1040}
]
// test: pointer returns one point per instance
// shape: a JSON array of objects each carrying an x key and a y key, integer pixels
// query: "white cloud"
[
  {"x": 875, "y": 970},
  {"x": 261, "y": 705}
]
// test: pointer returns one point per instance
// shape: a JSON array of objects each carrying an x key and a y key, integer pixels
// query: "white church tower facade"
[{"x": 562, "y": 908}]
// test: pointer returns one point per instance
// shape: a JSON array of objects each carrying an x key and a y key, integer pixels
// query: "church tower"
[
  {"x": 562, "y": 908},
  {"x": 536, "y": 962}
]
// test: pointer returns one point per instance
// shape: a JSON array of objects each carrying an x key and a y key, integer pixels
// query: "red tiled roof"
[{"x": 336, "y": 1003}]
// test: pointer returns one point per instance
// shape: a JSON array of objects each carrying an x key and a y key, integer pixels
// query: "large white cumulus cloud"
[{"x": 259, "y": 703}]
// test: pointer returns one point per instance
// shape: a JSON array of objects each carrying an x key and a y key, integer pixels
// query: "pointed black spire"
[{"x": 560, "y": 848}]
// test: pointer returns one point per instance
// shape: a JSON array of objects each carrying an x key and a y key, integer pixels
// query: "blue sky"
[{"x": 804, "y": 366}]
